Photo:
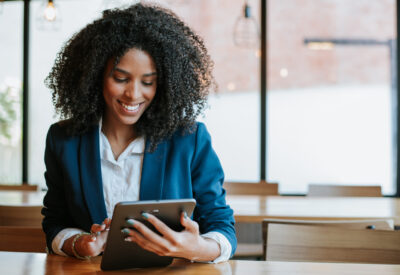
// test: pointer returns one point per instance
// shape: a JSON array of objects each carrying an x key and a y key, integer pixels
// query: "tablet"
[{"x": 119, "y": 254}]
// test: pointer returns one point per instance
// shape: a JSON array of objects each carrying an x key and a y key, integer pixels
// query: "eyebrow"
[{"x": 125, "y": 72}]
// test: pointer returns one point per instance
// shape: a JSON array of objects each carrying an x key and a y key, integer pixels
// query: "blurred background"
[{"x": 331, "y": 86}]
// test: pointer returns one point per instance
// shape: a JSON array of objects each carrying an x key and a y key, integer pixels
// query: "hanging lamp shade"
[{"x": 246, "y": 33}]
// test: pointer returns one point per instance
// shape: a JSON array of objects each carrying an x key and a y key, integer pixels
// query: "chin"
[{"x": 128, "y": 121}]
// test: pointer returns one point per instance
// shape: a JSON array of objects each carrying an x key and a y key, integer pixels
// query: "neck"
[{"x": 117, "y": 132}]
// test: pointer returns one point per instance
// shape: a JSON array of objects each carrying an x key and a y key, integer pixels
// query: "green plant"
[{"x": 9, "y": 111}]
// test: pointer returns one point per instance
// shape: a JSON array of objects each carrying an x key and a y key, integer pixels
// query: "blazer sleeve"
[
  {"x": 55, "y": 210},
  {"x": 211, "y": 212}
]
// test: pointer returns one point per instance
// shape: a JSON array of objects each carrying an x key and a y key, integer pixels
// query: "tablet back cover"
[{"x": 119, "y": 254}]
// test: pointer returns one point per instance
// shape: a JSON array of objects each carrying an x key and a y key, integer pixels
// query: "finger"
[
  {"x": 97, "y": 228},
  {"x": 145, "y": 244},
  {"x": 87, "y": 239},
  {"x": 189, "y": 224},
  {"x": 147, "y": 233},
  {"x": 134, "y": 236},
  {"x": 161, "y": 227},
  {"x": 92, "y": 238},
  {"x": 107, "y": 222},
  {"x": 90, "y": 244}
]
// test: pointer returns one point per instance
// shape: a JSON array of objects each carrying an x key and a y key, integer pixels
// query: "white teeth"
[{"x": 130, "y": 108}]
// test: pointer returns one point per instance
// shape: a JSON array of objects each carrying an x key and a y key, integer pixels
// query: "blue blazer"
[{"x": 183, "y": 166}]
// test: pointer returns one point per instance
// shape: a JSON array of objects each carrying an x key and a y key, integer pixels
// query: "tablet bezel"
[{"x": 119, "y": 254}]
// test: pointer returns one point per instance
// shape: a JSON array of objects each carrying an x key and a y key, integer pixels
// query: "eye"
[
  {"x": 147, "y": 83},
  {"x": 120, "y": 80}
]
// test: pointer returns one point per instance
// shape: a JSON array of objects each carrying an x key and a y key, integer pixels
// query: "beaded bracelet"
[{"x": 73, "y": 247}]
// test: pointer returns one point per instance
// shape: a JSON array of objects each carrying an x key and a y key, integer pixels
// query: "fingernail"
[
  {"x": 145, "y": 215},
  {"x": 130, "y": 221},
  {"x": 125, "y": 231},
  {"x": 93, "y": 238},
  {"x": 185, "y": 215},
  {"x": 127, "y": 239}
]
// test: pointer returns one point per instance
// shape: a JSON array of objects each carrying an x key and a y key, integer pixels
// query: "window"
[
  {"x": 331, "y": 88},
  {"x": 45, "y": 44},
  {"x": 330, "y": 95},
  {"x": 233, "y": 116},
  {"x": 10, "y": 93}
]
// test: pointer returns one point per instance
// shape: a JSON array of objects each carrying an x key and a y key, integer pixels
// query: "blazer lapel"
[
  {"x": 90, "y": 171},
  {"x": 152, "y": 179}
]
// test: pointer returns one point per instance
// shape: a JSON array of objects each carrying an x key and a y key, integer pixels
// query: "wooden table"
[
  {"x": 27, "y": 198},
  {"x": 257, "y": 208},
  {"x": 13, "y": 263}
]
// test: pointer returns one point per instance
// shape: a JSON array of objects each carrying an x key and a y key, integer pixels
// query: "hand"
[
  {"x": 90, "y": 245},
  {"x": 185, "y": 244}
]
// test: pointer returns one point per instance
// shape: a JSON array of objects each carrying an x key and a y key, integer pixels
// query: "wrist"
[
  {"x": 75, "y": 244},
  {"x": 207, "y": 250}
]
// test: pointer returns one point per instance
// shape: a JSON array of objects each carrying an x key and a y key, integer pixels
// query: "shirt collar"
[{"x": 136, "y": 147}]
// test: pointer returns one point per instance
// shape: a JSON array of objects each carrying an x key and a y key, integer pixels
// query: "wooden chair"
[
  {"x": 322, "y": 190},
  {"x": 21, "y": 216},
  {"x": 322, "y": 243},
  {"x": 378, "y": 224},
  {"x": 21, "y": 187},
  {"x": 22, "y": 239},
  {"x": 249, "y": 234},
  {"x": 261, "y": 188},
  {"x": 249, "y": 241}
]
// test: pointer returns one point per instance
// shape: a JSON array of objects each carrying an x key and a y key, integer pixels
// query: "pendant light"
[
  {"x": 246, "y": 34},
  {"x": 48, "y": 16}
]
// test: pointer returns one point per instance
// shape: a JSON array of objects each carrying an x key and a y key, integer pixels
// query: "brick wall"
[{"x": 289, "y": 22}]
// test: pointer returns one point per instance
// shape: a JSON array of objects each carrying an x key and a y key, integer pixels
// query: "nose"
[{"x": 132, "y": 90}]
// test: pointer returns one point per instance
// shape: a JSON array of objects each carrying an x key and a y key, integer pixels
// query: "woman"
[{"x": 130, "y": 86}]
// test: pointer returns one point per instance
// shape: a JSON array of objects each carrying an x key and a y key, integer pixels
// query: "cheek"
[
  {"x": 151, "y": 93},
  {"x": 111, "y": 90}
]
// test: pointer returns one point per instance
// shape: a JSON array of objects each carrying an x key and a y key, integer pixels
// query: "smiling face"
[{"x": 129, "y": 88}]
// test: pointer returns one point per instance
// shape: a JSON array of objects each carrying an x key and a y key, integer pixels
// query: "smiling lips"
[{"x": 130, "y": 108}]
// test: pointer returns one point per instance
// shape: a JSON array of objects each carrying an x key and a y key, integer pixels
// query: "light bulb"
[
  {"x": 320, "y": 45},
  {"x": 284, "y": 72},
  {"x": 50, "y": 12},
  {"x": 48, "y": 16},
  {"x": 231, "y": 86},
  {"x": 246, "y": 34}
]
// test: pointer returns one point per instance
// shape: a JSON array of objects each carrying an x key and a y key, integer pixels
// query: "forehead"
[{"x": 137, "y": 60}]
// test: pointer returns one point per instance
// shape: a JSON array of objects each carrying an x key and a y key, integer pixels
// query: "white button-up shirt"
[
  {"x": 121, "y": 182},
  {"x": 121, "y": 177}
]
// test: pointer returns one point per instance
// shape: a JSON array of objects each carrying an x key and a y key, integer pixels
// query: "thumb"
[{"x": 189, "y": 224}]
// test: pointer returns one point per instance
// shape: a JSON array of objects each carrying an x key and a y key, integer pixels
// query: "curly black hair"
[{"x": 184, "y": 70}]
